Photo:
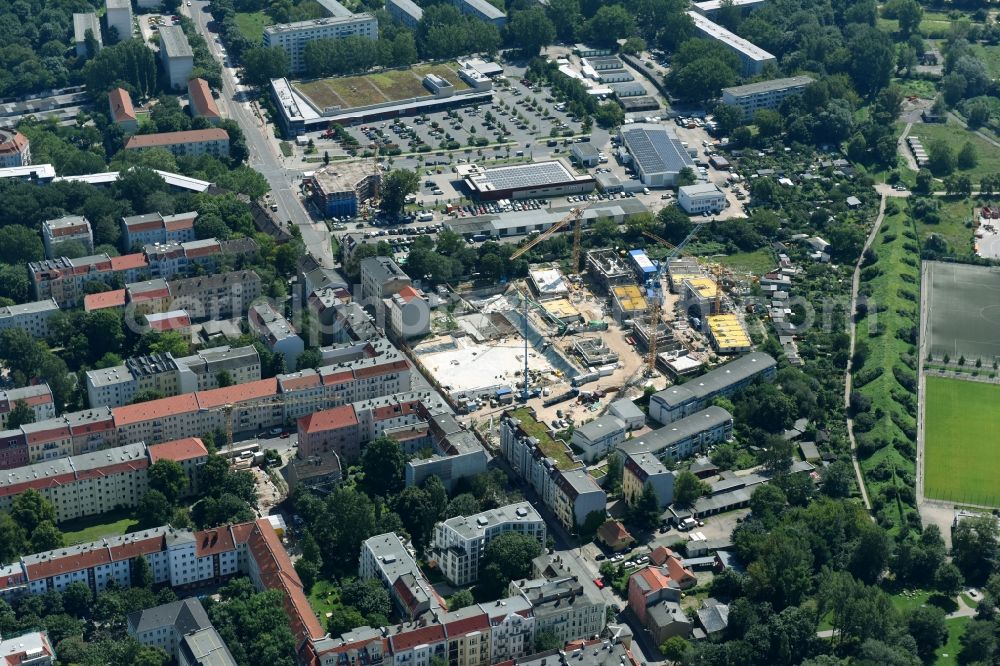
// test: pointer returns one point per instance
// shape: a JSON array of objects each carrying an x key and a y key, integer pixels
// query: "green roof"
[{"x": 556, "y": 450}]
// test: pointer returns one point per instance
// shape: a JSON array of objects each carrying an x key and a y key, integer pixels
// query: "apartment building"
[
  {"x": 641, "y": 469},
  {"x": 176, "y": 260},
  {"x": 459, "y": 542},
  {"x": 218, "y": 296},
  {"x": 549, "y": 466},
  {"x": 71, "y": 228},
  {"x": 379, "y": 369},
  {"x": 682, "y": 438},
  {"x": 94, "y": 483},
  {"x": 118, "y": 385},
  {"x": 148, "y": 296},
  {"x": 119, "y": 19},
  {"x": 599, "y": 437},
  {"x": 30, "y": 649},
  {"x": 457, "y": 453},
  {"x": 340, "y": 189},
  {"x": 406, "y": 12},
  {"x": 181, "y": 629},
  {"x": 408, "y": 313},
  {"x": 277, "y": 333},
  {"x": 564, "y": 601},
  {"x": 38, "y": 398},
  {"x": 293, "y": 37},
  {"x": 752, "y": 57},
  {"x": 685, "y": 399},
  {"x": 381, "y": 277},
  {"x": 212, "y": 141},
  {"x": 482, "y": 10},
  {"x": 753, "y": 97},
  {"x": 176, "y": 55},
  {"x": 15, "y": 149},
  {"x": 81, "y": 24},
  {"x": 30, "y": 317},
  {"x": 384, "y": 557},
  {"x": 63, "y": 279},
  {"x": 122, "y": 111},
  {"x": 701, "y": 197},
  {"x": 152, "y": 228}
]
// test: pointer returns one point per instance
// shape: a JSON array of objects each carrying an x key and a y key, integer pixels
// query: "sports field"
[
  {"x": 962, "y": 441},
  {"x": 348, "y": 92},
  {"x": 963, "y": 311}
]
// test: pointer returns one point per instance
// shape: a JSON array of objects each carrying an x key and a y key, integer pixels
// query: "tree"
[
  {"x": 609, "y": 24},
  {"x": 686, "y": 176},
  {"x": 948, "y": 579},
  {"x": 615, "y": 473},
  {"x": 309, "y": 358},
  {"x": 261, "y": 64},
  {"x": 873, "y": 60},
  {"x": 675, "y": 649},
  {"x": 925, "y": 181},
  {"x": 728, "y": 117},
  {"x": 767, "y": 503},
  {"x": 77, "y": 599},
  {"x": 154, "y": 509},
  {"x": 308, "y": 573},
  {"x": 940, "y": 158},
  {"x": 223, "y": 378},
  {"x": 46, "y": 537},
  {"x": 979, "y": 643},
  {"x": 768, "y": 122},
  {"x": 565, "y": 16},
  {"x": 547, "y": 640},
  {"x": 978, "y": 113},
  {"x": 20, "y": 415},
  {"x": 383, "y": 463},
  {"x": 507, "y": 557},
  {"x": 926, "y": 625},
  {"x": 646, "y": 511},
  {"x": 142, "y": 574},
  {"x": 530, "y": 30},
  {"x": 461, "y": 599},
  {"x": 464, "y": 504},
  {"x": 688, "y": 488},
  {"x": 967, "y": 158},
  {"x": 30, "y": 509},
  {"x": 12, "y": 539},
  {"x": 909, "y": 14},
  {"x": 343, "y": 619},
  {"x": 19, "y": 244},
  {"x": 169, "y": 478},
  {"x": 368, "y": 596},
  {"x": 837, "y": 479},
  {"x": 782, "y": 572},
  {"x": 395, "y": 186},
  {"x": 974, "y": 548},
  {"x": 609, "y": 115},
  {"x": 676, "y": 224}
]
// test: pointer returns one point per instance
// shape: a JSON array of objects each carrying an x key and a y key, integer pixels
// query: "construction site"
[{"x": 582, "y": 340}]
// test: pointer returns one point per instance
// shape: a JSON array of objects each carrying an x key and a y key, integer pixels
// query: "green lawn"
[
  {"x": 252, "y": 25},
  {"x": 92, "y": 528},
  {"x": 947, "y": 654},
  {"x": 990, "y": 56},
  {"x": 955, "y": 226},
  {"x": 323, "y": 596},
  {"x": 757, "y": 262},
  {"x": 933, "y": 25},
  {"x": 960, "y": 435},
  {"x": 956, "y": 135}
]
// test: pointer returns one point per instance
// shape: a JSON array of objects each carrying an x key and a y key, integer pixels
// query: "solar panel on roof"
[
  {"x": 526, "y": 175},
  {"x": 655, "y": 150}
]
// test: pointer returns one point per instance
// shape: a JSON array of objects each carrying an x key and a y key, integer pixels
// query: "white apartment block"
[
  {"x": 30, "y": 649},
  {"x": 563, "y": 602},
  {"x": 31, "y": 317},
  {"x": 386, "y": 558},
  {"x": 81, "y": 24},
  {"x": 701, "y": 197},
  {"x": 118, "y": 385},
  {"x": 764, "y": 94},
  {"x": 153, "y": 228},
  {"x": 381, "y": 277},
  {"x": 752, "y": 57},
  {"x": 599, "y": 437},
  {"x": 459, "y": 542},
  {"x": 482, "y": 10},
  {"x": 177, "y": 56},
  {"x": 66, "y": 229},
  {"x": 406, "y": 12},
  {"x": 293, "y": 37},
  {"x": 212, "y": 141},
  {"x": 277, "y": 333},
  {"x": 119, "y": 17}
]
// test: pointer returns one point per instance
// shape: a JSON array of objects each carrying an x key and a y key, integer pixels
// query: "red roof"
[
  {"x": 105, "y": 299},
  {"x": 61, "y": 565},
  {"x": 409, "y": 293},
  {"x": 60, "y": 431},
  {"x": 398, "y": 409},
  {"x": 121, "y": 105},
  {"x": 407, "y": 640},
  {"x": 179, "y": 449},
  {"x": 178, "y": 223},
  {"x": 467, "y": 625},
  {"x": 152, "y": 294},
  {"x": 654, "y": 577},
  {"x": 298, "y": 383},
  {"x": 176, "y": 138},
  {"x": 170, "y": 321},
  {"x": 230, "y": 395},
  {"x": 338, "y": 377},
  {"x": 129, "y": 261},
  {"x": 214, "y": 541},
  {"x": 201, "y": 98},
  {"x": 328, "y": 419},
  {"x": 152, "y": 410},
  {"x": 376, "y": 370}
]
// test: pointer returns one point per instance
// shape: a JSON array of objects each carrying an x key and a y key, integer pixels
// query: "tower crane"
[
  {"x": 656, "y": 312},
  {"x": 228, "y": 409},
  {"x": 575, "y": 215}
]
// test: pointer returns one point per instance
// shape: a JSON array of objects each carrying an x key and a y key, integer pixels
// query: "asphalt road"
[{"x": 264, "y": 156}]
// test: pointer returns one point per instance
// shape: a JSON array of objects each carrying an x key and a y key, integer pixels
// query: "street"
[{"x": 263, "y": 150}]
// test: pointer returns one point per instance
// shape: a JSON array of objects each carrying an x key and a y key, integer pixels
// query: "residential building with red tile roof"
[
  {"x": 151, "y": 228},
  {"x": 189, "y": 452},
  {"x": 202, "y": 103},
  {"x": 172, "y": 320},
  {"x": 66, "y": 229},
  {"x": 63, "y": 279},
  {"x": 121, "y": 110},
  {"x": 30, "y": 649},
  {"x": 212, "y": 141},
  {"x": 37, "y": 398},
  {"x": 15, "y": 149},
  {"x": 104, "y": 300}
]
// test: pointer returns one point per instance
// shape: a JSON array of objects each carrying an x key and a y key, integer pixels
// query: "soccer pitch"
[{"x": 962, "y": 441}]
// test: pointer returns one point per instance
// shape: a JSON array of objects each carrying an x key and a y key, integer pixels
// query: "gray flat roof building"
[
  {"x": 406, "y": 12},
  {"x": 657, "y": 153},
  {"x": 662, "y": 440},
  {"x": 174, "y": 43},
  {"x": 682, "y": 400},
  {"x": 81, "y": 24},
  {"x": 752, "y": 57}
]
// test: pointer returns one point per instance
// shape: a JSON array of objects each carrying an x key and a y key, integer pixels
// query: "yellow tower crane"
[
  {"x": 657, "y": 307},
  {"x": 575, "y": 215}
]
